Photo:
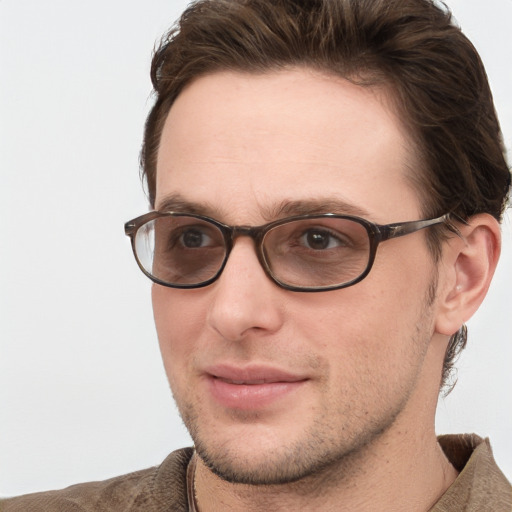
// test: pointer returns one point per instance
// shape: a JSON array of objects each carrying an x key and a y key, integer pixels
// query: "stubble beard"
[
  {"x": 319, "y": 455},
  {"x": 322, "y": 455}
]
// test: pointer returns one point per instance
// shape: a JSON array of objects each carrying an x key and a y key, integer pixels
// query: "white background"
[{"x": 82, "y": 390}]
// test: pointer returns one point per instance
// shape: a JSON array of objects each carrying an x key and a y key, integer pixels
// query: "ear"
[{"x": 469, "y": 262}]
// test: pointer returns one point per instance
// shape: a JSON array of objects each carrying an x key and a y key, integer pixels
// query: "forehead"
[{"x": 241, "y": 143}]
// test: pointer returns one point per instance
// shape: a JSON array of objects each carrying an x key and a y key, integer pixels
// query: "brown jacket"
[{"x": 480, "y": 486}]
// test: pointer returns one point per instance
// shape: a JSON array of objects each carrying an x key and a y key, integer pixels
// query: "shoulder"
[{"x": 156, "y": 489}]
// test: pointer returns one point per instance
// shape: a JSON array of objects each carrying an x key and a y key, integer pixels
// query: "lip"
[{"x": 251, "y": 387}]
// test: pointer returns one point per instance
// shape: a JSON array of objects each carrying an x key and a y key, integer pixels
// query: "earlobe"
[{"x": 469, "y": 264}]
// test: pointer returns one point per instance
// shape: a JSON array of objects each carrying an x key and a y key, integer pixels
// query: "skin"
[{"x": 358, "y": 421}]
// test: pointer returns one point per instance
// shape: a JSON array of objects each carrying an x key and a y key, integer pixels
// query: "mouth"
[
  {"x": 251, "y": 388},
  {"x": 247, "y": 382}
]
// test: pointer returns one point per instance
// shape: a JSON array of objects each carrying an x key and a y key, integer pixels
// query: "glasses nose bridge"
[{"x": 254, "y": 232}]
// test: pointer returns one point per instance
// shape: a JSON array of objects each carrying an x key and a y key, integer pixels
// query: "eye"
[
  {"x": 193, "y": 238},
  {"x": 320, "y": 239}
]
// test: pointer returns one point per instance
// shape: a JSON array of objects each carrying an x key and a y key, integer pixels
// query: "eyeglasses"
[{"x": 307, "y": 253}]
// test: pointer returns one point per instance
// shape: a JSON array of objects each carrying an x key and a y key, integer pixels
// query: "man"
[{"x": 326, "y": 180}]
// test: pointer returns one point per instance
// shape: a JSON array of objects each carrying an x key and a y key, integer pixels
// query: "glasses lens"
[
  {"x": 180, "y": 250},
  {"x": 317, "y": 252}
]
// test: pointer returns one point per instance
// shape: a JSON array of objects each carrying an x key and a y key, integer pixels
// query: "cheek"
[
  {"x": 370, "y": 331},
  {"x": 372, "y": 360},
  {"x": 178, "y": 322}
]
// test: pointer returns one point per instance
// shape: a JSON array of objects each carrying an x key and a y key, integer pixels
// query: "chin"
[
  {"x": 272, "y": 456},
  {"x": 283, "y": 466}
]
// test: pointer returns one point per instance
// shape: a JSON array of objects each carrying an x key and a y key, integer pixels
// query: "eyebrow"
[
  {"x": 289, "y": 208},
  {"x": 177, "y": 203},
  {"x": 286, "y": 208}
]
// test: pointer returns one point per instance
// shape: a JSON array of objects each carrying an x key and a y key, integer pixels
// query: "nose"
[{"x": 245, "y": 300}]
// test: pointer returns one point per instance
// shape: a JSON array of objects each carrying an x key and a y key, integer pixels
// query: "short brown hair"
[{"x": 436, "y": 79}]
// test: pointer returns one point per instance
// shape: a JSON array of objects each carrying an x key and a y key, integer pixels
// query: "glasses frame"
[{"x": 377, "y": 233}]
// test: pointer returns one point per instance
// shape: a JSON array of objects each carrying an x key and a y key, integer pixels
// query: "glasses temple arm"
[{"x": 404, "y": 228}]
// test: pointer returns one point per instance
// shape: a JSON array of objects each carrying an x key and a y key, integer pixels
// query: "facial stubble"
[{"x": 321, "y": 453}]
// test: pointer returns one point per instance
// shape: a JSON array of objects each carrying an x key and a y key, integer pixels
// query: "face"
[{"x": 274, "y": 385}]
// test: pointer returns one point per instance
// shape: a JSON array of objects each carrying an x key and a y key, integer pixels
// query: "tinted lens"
[
  {"x": 317, "y": 252},
  {"x": 180, "y": 250}
]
